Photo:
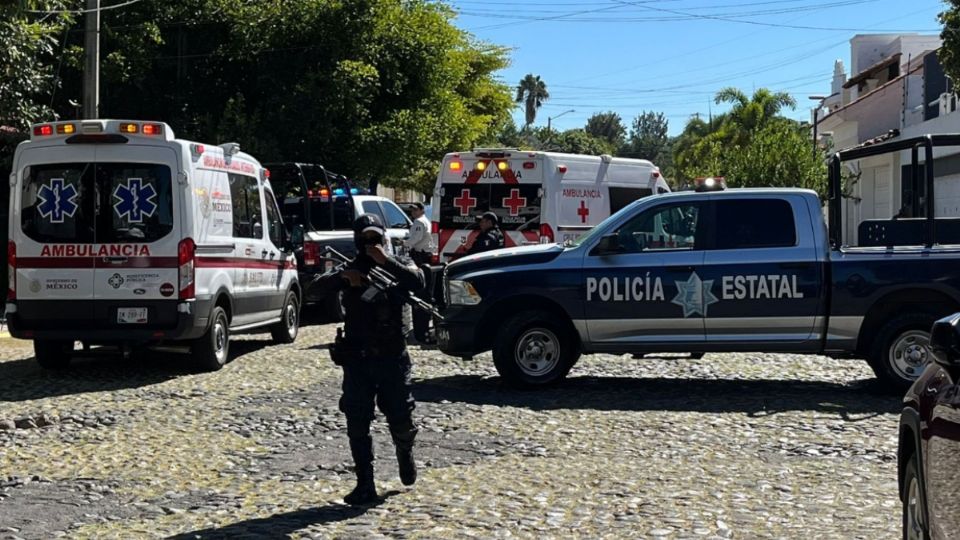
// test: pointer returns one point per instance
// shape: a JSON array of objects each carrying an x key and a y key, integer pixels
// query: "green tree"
[
  {"x": 950, "y": 52},
  {"x": 608, "y": 126},
  {"x": 532, "y": 92},
  {"x": 648, "y": 137},
  {"x": 578, "y": 141},
  {"x": 374, "y": 89},
  {"x": 751, "y": 113}
]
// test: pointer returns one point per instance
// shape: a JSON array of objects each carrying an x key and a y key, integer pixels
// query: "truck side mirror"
[
  {"x": 608, "y": 245},
  {"x": 945, "y": 341}
]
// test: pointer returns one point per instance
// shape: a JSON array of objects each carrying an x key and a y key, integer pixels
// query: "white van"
[
  {"x": 540, "y": 197},
  {"x": 121, "y": 234}
]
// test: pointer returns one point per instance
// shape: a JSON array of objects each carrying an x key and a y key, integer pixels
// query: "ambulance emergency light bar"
[{"x": 104, "y": 131}]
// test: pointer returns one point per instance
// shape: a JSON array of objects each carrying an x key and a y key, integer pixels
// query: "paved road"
[{"x": 729, "y": 446}]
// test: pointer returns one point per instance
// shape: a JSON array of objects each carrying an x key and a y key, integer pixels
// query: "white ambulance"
[
  {"x": 121, "y": 234},
  {"x": 540, "y": 197}
]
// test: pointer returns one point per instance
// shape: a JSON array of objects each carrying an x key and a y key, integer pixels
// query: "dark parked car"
[{"x": 929, "y": 450}]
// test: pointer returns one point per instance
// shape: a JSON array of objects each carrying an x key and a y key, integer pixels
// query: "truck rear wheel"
[
  {"x": 212, "y": 350},
  {"x": 534, "y": 349},
  {"x": 333, "y": 305},
  {"x": 52, "y": 354},
  {"x": 901, "y": 350}
]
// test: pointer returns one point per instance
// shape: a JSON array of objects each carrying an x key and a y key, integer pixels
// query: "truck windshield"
[
  {"x": 96, "y": 203},
  {"x": 595, "y": 232}
]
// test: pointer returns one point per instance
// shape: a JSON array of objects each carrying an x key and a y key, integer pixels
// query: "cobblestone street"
[{"x": 729, "y": 446}]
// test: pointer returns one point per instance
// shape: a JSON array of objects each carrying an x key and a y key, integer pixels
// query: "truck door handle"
[
  {"x": 679, "y": 269},
  {"x": 796, "y": 266},
  {"x": 264, "y": 254}
]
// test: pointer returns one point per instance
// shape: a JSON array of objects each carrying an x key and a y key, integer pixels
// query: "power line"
[{"x": 82, "y": 11}]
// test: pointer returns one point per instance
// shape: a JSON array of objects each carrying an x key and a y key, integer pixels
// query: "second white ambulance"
[
  {"x": 121, "y": 234},
  {"x": 539, "y": 197}
]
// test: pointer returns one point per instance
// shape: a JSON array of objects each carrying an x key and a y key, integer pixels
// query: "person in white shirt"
[
  {"x": 420, "y": 245},
  {"x": 420, "y": 241}
]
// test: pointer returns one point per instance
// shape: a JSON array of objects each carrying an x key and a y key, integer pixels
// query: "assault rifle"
[{"x": 380, "y": 281}]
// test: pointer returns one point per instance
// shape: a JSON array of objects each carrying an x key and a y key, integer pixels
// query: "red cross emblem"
[
  {"x": 583, "y": 211},
  {"x": 465, "y": 202},
  {"x": 514, "y": 202}
]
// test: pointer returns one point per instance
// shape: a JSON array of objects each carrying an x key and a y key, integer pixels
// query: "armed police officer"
[
  {"x": 490, "y": 237},
  {"x": 372, "y": 351}
]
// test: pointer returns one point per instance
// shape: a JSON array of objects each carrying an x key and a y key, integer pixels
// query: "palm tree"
[
  {"x": 749, "y": 114},
  {"x": 532, "y": 92}
]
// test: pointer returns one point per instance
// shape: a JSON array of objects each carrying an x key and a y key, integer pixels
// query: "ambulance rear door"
[
  {"x": 138, "y": 230},
  {"x": 507, "y": 183},
  {"x": 52, "y": 221}
]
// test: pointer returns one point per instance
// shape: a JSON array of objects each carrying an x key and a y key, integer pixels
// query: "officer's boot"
[
  {"x": 366, "y": 490},
  {"x": 403, "y": 437}
]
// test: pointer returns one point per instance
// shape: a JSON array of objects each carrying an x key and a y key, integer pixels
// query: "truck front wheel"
[
  {"x": 534, "y": 348},
  {"x": 901, "y": 350}
]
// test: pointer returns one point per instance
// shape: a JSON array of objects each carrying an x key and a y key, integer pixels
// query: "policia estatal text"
[{"x": 372, "y": 351}]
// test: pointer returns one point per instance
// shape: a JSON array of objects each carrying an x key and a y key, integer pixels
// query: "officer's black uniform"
[
  {"x": 376, "y": 366},
  {"x": 489, "y": 239}
]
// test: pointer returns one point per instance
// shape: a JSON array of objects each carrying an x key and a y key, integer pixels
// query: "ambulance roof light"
[
  {"x": 43, "y": 130},
  {"x": 153, "y": 129},
  {"x": 481, "y": 165},
  {"x": 129, "y": 128},
  {"x": 503, "y": 165},
  {"x": 456, "y": 165},
  {"x": 66, "y": 129}
]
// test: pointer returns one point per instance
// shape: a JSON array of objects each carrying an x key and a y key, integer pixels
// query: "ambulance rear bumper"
[{"x": 73, "y": 320}]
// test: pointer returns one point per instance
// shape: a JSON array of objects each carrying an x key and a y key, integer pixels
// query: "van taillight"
[
  {"x": 546, "y": 234},
  {"x": 186, "y": 253},
  {"x": 311, "y": 254},
  {"x": 11, "y": 271}
]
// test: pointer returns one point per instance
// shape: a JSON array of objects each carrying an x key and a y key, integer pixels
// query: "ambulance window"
[
  {"x": 663, "y": 228},
  {"x": 622, "y": 196},
  {"x": 57, "y": 202},
  {"x": 274, "y": 223},
  {"x": 245, "y": 192},
  {"x": 138, "y": 200},
  {"x": 372, "y": 207},
  {"x": 754, "y": 223}
]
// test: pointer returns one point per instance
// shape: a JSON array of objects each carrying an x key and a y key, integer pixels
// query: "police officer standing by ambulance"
[
  {"x": 372, "y": 351},
  {"x": 490, "y": 237}
]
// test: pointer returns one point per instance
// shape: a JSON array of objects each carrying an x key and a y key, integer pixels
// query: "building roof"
[{"x": 865, "y": 74}]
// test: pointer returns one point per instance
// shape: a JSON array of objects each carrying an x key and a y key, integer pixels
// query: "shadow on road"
[
  {"x": 754, "y": 397},
  {"x": 25, "y": 380},
  {"x": 281, "y": 525}
]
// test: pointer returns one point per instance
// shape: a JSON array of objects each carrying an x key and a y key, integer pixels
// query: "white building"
[{"x": 893, "y": 76}]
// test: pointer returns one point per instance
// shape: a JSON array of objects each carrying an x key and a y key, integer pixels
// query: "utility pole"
[{"x": 91, "y": 72}]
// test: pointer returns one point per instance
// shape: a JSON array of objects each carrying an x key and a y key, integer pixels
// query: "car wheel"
[
  {"x": 534, "y": 349},
  {"x": 334, "y": 307},
  {"x": 52, "y": 354},
  {"x": 287, "y": 329},
  {"x": 901, "y": 350},
  {"x": 213, "y": 348},
  {"x": 914, "y": 512}
]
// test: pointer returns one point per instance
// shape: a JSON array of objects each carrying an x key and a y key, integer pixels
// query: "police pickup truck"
[{"x": 731, "y": 270}]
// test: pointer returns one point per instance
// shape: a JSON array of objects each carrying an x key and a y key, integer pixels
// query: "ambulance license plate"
[{"x": 135, "y": 315}]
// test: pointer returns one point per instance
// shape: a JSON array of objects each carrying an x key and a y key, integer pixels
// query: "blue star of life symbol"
[
  {"x": 694, "y": 295},
  {"x": 135, "y": 200},
  {"x": 58, "y": 200}
]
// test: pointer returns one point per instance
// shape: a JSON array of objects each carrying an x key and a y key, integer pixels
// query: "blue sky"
[{"x": 672, "y": 56}]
